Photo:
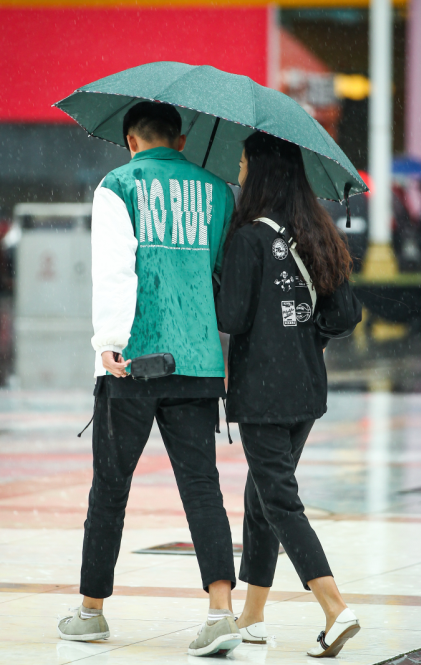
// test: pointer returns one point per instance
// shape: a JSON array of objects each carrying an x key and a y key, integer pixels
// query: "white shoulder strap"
[{"x": 301, "y": 267}]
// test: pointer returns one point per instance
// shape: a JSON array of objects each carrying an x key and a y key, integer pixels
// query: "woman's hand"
[{"x": 115, "y": 364}]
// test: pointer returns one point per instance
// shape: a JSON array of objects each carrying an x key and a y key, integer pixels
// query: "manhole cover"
[
  {"x": 410, "y": 658},
  {"x": 186, "y": 548}
]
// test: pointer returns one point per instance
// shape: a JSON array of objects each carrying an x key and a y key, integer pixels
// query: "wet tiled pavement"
[{"x": 359, "y": 478}]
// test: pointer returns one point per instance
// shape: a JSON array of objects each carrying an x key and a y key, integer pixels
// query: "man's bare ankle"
[{"x": 93, "y": 603}]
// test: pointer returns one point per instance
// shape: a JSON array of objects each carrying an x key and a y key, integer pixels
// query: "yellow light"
[{"x": 352, "y": 86}]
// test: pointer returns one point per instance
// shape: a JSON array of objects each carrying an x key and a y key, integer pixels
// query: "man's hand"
[{"x": 116, "y": 367}]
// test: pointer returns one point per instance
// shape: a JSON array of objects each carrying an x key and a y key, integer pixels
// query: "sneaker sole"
[
  {"x": 339, "y": 643},
  {"x": 89, "y": 637},
  {"x": 223, "y": 645}
]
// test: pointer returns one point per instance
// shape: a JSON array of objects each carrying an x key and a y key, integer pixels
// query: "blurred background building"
[{"x": 320, "y": 52}]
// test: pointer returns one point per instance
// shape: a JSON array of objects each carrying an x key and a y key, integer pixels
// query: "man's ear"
[
  {"x": 181, "y": 142},
  {"x": 132, "y": 141}
]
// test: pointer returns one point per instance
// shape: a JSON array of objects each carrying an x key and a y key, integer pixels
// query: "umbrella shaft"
[{"x": 211, "y": 140}]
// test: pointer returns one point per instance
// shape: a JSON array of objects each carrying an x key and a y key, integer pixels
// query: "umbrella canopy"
[{"x": 218, "y": 110}]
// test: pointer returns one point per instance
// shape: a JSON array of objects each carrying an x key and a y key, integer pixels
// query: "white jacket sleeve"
[{"x": 113, "y": 274}]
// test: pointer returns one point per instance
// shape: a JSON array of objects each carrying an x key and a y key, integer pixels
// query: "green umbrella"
[{"x": 219, "y": 110}]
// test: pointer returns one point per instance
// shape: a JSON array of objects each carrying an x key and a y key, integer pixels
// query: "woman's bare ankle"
[
  {"x": 245, "y": 620},
  {"x": 333, "y": 615},
  {"x": 329, "y": 597}
]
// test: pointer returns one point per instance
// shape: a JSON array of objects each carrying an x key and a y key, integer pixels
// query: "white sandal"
[
  {"x": 345, "y": 627},
  {"x": 256, "y": 633}
]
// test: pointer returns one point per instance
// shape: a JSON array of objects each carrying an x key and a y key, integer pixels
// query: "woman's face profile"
[{"x": 243, "y": 169}]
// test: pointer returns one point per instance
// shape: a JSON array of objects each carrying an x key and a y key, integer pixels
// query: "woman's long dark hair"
[{"x": 276, "y": 181}]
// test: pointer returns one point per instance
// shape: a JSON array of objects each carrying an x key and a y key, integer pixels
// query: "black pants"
[
  {"x": 120, "y": 432},
  {"x": 273, "y": 512}
]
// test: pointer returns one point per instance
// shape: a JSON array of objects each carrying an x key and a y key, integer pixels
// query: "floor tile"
[{"x": 357, "y": 461}]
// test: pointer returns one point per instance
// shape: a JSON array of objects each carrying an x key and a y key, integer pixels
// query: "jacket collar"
[{"x": 158, "y": 153}]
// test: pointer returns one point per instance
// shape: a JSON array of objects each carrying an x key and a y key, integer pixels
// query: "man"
[{"x": 158, "y": 227}]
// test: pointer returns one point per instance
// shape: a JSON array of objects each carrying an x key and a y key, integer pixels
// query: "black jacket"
[{"x": 276, "y": 368}]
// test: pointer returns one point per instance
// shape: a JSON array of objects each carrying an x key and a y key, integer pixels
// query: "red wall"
[{"x": 47, "y": 53}]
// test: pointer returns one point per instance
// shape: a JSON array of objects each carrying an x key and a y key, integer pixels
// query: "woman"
[{"x": 277, "y": 378}]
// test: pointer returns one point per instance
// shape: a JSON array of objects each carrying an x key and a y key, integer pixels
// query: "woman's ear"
[{"x": 243, "y": 169}]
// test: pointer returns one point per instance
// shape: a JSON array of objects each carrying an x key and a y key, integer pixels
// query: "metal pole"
[
  {"x": 413, "y": 81},
  {"x": 380, "y": 258},
  {"x": 380, "y": 146}
]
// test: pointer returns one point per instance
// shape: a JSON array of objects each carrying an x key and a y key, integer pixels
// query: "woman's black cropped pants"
[{"x": 273, "y": 512}]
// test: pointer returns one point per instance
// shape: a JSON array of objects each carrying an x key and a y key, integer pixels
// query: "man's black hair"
[{"x": 152, "y": 120}]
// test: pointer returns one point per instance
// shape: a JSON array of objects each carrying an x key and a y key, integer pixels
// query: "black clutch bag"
[{"x": 153, "y": 366}]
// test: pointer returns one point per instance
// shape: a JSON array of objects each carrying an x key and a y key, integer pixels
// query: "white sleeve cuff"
[{"x": 110, "y": 347}]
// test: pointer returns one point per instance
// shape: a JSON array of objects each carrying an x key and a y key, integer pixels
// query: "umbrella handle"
[{"x": 348, "y": 210}]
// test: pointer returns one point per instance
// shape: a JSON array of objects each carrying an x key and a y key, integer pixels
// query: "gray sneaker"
[
  {"x": 219, "y": 637},
  {"x": 75, "y": 629}
]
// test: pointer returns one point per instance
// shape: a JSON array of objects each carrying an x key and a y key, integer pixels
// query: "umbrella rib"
[
  {"x": 192, "y": 124},
  {"x": 156, "y": 99},
  {"x": 114, "y": 114},
  {"x": 250, "y": 81},
  {"x": 331, "y": 181}
]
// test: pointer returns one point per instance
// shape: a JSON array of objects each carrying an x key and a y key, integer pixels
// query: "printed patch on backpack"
[
  {"x": 279, "y": 249},
  {"x": 288, "y": 313},
  {"x": 303, "y": 312}
]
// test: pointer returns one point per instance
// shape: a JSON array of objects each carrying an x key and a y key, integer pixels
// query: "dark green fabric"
[
  {"x": 203, "y": 94},
  {"x": 175, "y": 310}
]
